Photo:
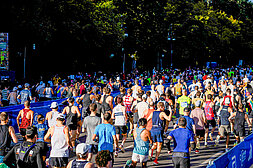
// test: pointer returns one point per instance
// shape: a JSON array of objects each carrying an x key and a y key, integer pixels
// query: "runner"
[
  {"x": 134, "y": 109},
  {"x": 48, "y": 92},
  {"x": 26, "y": 116},
  {"x": 13, "y": 97},
  {"x": 82, "y": 157},
  {"x": 136, "y": 89},
  {"x": 198, "y": 115},
  {"x": 157, "y": 130},
  {"x": 25, "y": 154},
  {"x": 106, "y": 134},
  {"x": 239, "y": 128},
  {"x": 128, "y": 101},
  {"x": 183, "y": 140},
  {"x": 197, "y": 98},
  {"x": 52, "y": 115},
  {"x": 178, "y": 88},
  {"x": 72, "y": 114},
  {"x": 103, "y": 159},
  {"x": 87, "y": 100},
  {"x": 208, "y": 107},
  {"x": 107, "y": 100},
  {"x": 142, "y": 139},
  {"x": 7, "y": 134},
  {"x": 25, "y": 94},
  {"x": 182, "y": 102},
  {"x": 154, "y": 94},
  {"x": 160, "y": 87},
  {"x": 89, "y": 125},
  {"x": 60, "y": 143},
  {"x": 224, "y": 113},
  {"x": 100, "y": 109},
  {"x": 147, "y": 115},
  {"x": 120, "y": 116}
]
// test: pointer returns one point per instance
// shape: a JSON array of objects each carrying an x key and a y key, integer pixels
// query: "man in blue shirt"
[
  {"x": 183, "y": 140},
  {"x": 190, "y": 122},
  {"x": 106, "y": 135},
  {"x": 25, "y": 94}
]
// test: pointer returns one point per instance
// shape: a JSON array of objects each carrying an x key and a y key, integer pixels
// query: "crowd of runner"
[{"x": 196, "y": 102}]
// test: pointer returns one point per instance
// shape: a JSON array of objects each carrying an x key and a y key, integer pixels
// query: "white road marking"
[{"x": 216, "y": 155}]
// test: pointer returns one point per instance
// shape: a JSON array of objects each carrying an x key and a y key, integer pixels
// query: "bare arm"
[
  {"x": 163, "y": 115},
  {"x": 66, "y": 131},
  {"x": 19, "y": 115},
  {"x": 115, "y": 141},
  {"x": 248, "y": 121},
  {"x": 78, "y": 112},
  {"x": 13, "y": 135},
  {"x": 48, "y": 134},
  {"x": 32, "y": 113},
  {"x": 64, "y": 110}
]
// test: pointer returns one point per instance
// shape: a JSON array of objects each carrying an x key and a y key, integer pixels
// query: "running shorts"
[
  {"x": 224, "y": 130},
  {"x": 93, "y": 149},
  {"x": 200, "y": 133},
  {"x": 139, "y": 158},
  {"x": 212, "y": 122},
  {"x": 121, "y": 129},
  {"x": 129, "y": 114},
  {"x": 239, "y": 132},
  {"x": 156, "y": 135},
  {"x": 58, "y": 161}
]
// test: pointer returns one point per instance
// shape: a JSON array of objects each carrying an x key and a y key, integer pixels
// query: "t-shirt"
[
  {"x": 189, "y": 121},
  {"x": 42, "y": 130},
  {"x": 141, "y": 107},
  {"x": 182, "y": 138},
  {"x": 183, "y": 102},
  {"x": 90, "y": 123},
  {"x": 197, "y": 116},
  {"x": 105, "y": 134},
  {"x": 24, "y": 95}
]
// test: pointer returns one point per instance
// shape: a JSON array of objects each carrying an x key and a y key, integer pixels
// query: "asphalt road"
[{"x": 200, "y": 160}]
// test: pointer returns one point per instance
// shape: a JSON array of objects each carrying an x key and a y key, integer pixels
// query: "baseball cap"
[
  {"x": 15, "y": 88},
  {"x": 54, "y": 105},
  {"x": 27, "y": 85},
  {"x": 144, "y": 96},
  {"x": 198, "y": 103},
  {"x": 186, "y": 109},
  {"x": 60, "y": 116},
  {"x": 118, "y": 78},
  {"x": 82, "y": 148},
  {"x": 31, "y": 131}
]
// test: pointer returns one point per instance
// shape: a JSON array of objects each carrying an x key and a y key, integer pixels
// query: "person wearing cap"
[
  {"x": 13, "y": 97},
  {"x": 52, "y": 115},
  {"x": 60, "y": 143},
  {"x": 117, "y": 84},
  {"x": 82, "y": 155},
  {"x": 25, "y": 94},
  {"x": 42, "y": 129},
  {"x": 199, "y": 117},
  {"x": 26, "y": 154},
  {"x": 223, "y": 117}
]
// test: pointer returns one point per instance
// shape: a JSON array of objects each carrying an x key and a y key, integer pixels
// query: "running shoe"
[
  {"x": 210, "y": 136},
  {"x": 227, "y": 149},
  {"x": 198, "y": 144},
  {"x": 196, "y": 151},
  {"x": 170, "y": 152},
  {"x": 116, "y": 154},
  {"x": 205, "y": 144},
  {"x": 128, "y": 164},
  {"x": 122, "y": 148},
  {"x": 155, "y": 163}
]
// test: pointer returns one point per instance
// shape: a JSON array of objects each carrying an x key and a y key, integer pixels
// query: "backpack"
[{"x": 23, "y": 152}]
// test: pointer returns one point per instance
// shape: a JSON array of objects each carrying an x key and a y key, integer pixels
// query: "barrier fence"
[{"x": 241, "y": 156}]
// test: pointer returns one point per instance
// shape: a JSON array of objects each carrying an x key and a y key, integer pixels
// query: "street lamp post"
[
  {"x": 124, "y": 56},
  {"x": 170, "y": 38}
]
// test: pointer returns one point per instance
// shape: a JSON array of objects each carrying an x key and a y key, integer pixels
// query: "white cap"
[
  {"x": 15, "y": 88},
  {"x": 54, "y": 105},
  {"x": 118, "y": 78},
  {"x": 144, "y": 96},
  {"x": 82, "y": 148},
  {"x": 198, "y": 103}
]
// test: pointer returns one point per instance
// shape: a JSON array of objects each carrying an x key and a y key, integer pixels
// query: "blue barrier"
[{"x": 241, "y": 156}]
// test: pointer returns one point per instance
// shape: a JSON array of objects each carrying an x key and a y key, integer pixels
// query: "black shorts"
[
  {"x": 200, "y": 133},
  {"x": 136, "y": 117},
  {"x": 212, "y": 122},
  {"x": 239, "y": 132},
  {"x": 181, "y": 162},
  {"x": 122, "y": 129},
  {"x": 58, "y": 161},
  {"x": 44, "y": 148},
  {"x": 23, "y": 131},
  {"x": 72, "y": 127}
]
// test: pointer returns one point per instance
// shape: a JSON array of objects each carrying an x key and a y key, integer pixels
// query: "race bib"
[{"x": 184, "y": 104}]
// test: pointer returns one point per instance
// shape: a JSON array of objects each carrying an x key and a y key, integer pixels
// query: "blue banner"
[{"x": 241, "y": 156}]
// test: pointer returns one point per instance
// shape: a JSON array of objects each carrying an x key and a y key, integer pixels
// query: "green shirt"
[{"x": 183, "y": 102}]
